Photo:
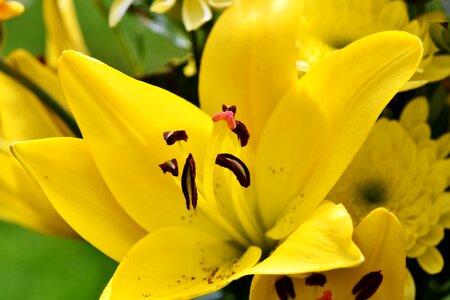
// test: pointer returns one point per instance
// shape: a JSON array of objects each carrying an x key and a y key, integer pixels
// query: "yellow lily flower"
[
  {"x": 380, "y": 277},
  {"x": 402, "y": 168},
  {"x": 62, "y": 30},
  {"x": 195, "y": 13},
  {"x": 24, "y": 117},
  {"x": 327, "y": 25},
  {"x": 184, "y": 237},
  {"x": 10, "y": 9}
]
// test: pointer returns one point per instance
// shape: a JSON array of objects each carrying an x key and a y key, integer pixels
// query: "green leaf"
[{"x": 35, "y": 267}]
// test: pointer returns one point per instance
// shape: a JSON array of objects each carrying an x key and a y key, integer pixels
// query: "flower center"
[
  {"x": 200, "y": 192},
  {"x": 373, "y": 192}
]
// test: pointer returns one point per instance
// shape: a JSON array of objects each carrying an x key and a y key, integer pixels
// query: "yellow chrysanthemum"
[
  {"x": 10, "y": 9},
  {"x": 195, "y": 13},
  {"x": 401, "y": 168},
  {"x": 328, "y": 25}
]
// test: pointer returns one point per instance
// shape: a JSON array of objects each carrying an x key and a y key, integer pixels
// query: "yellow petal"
[
  {"x": 10, "y": 9},
  {"x": 379, "y": 236},
  {"x": 414, "y": 113},
  {"x": 28, "y": 65},
  {"x": 327, "y": 116},
  {"x": 431, "y": 261},
  {"x": 321, "y": 243},
  {"x": 117, "y": 11},
  {"x": 77, "y": 191},
  {"x": 23, "y": 116},
  {"x": 220, "y": 3},
  {"x": 123, "y": 121},
  {"x": 438, "y": 69},
  {"x": 179, "y": 263},
  {"x": 62, "y": 28},
  {"x": 195, "y": 13},
  {"x": 23, "y": 202},
  {"x": 410, "y": 287},
  {"x": 249, "y": 60},
  {"x": 161, "y": 6}
]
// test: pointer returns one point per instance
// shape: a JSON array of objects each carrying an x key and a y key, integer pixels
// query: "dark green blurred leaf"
[{"x": 39, "y": 267}]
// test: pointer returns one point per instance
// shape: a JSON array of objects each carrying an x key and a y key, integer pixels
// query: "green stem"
[
  {"x": 195, "y": 50},
  {"x": 46, "y": 99},
  {"x": 122, "y": 40}
]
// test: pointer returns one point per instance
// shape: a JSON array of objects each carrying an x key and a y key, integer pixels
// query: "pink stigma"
[
  {"x": 227, "y": 116},
  {"x": 326, "y": 295}
]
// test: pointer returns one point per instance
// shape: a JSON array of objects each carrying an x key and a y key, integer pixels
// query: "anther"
[
  {"x": 170, "y": 166},
  {"x": 188, "y": 183},
  {"x": 368, "y": 285},
  {"x": 327, "y": 295},
  {"x": 316, "y": 279},
  {"x": 174, "y": 136},
  {"x": 242, "y": 133},
  {"x": 285, "y": 288},
  {"x": 231, "y": 108},
  {"x": 236, "y": 166}
]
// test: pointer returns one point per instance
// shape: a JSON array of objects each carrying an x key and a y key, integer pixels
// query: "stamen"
[
  {"x": 227, "y": 116},
  {"x": 188, "y": 183},
  {"x": 174, "y": 136},
  {"x": 368, "y": 285},
  {"x": 231, "y": 108},
  {"x": 327, "y": 295},
  {"x": 285, "y": 288},
  {"x": 170, "y": 166},
  {"x": 316, "y": 279},
  {"x": 236, "y": 166},
  {"x": 242, "y": 133}
]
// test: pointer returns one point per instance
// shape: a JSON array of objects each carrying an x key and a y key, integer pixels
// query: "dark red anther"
[
  {"x": 170, "y": 166},
  {"x": 236, "y": 166},
  {"x": 368, "y": 285},
  {"x": 188, "y": 183},
  {"x": 174, "y": 136},
  {"x": 285, "y": 288},
  {"x": 316, "y": 279}
]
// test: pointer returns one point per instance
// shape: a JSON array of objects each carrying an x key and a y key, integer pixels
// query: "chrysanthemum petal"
[
  {"x": 438, "y": 69},
  {"x": 123, "y": 121},
  {"x": 242, "y": 62},
  {"x": 195, "y": 13},
  {"x": 322, "y": 122},
  {"x": 77, "y": 191},
  {"x": 179, "y": 263},
  {"x": 431, "y": 261},
  {"x": 414, "y": 113},
  {"x": 117, "y": 11},
  {"x": 323, "y": 242}
]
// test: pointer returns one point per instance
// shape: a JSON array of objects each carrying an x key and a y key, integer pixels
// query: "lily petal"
[
  {"x": 35, "y": 120},
  {"x": 117, "y": 11},
  {"x": 62, "y": 28},
  {"x": 195, "y": 13},
  {"x": 379, "y": 236},
  {"x": 179, "y": 263},
  {"x": 323, "y": 242},
  {"x": 161, "y": 6},
  {"x": 77, "y": 191},
  {"x": 22, "y": 201},
  {"x": 242, "y": 64},
  {"x": 123, "y": 121},
  {"x": 344, "y": 95}
]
